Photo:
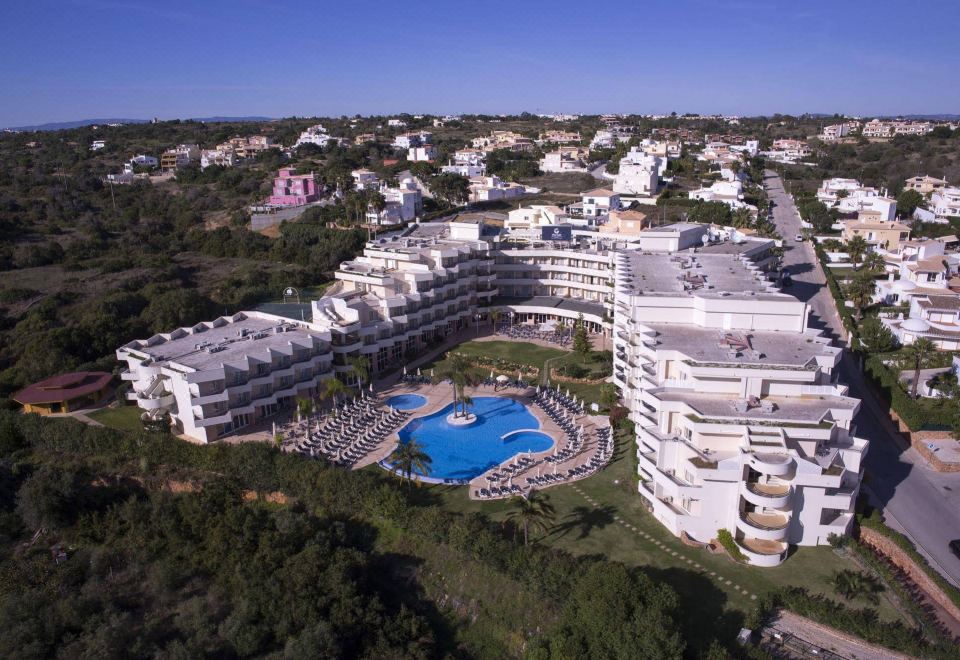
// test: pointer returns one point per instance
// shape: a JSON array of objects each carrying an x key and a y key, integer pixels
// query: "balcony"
[
  {"x": 155, "y": 402},
  {"x": 764, "y": 526},
  {"x": 126, "y": 374},
  {"x": 762, "y": 553},
  {"x": 774, "y": 496},
  {"x": 776, "y": 465}
]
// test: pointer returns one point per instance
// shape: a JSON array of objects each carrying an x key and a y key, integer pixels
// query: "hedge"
[
  {"x": 845, "y": 315},
  {"x": 908, "y": 409},
  {"x": 873, "y": 522},
  {"x": 726, "y": 540}
]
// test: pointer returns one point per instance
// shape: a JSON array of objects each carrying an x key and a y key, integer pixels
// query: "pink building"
[{"x": 292, "y": 189}]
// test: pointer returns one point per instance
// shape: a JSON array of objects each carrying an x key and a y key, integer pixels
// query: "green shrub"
[{"x": 726, "y": 540}]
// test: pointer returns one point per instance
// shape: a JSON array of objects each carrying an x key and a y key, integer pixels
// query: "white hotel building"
[{"x": 741, "y": 424}]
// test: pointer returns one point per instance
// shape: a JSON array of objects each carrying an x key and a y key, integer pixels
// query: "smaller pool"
[{"x": 407, "y": 401}]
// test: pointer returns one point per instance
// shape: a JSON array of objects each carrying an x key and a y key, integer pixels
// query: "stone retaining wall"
[{"x": 904, "y": 562}]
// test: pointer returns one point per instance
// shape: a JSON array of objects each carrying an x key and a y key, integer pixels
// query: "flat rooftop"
[
  {"x": 681, "y": 272},
  {"x": 766, "y": 348},
  {"x": 804, "y": 409},
  {"x": 183, "y": 350}
]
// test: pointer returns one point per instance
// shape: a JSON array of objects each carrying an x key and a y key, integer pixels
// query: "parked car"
[
  {"x": 798, "y": 238},
  {"x": 955, "y": 547}
]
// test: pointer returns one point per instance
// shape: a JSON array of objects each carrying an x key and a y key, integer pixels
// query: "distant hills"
[{"x": 64, "y": 125}]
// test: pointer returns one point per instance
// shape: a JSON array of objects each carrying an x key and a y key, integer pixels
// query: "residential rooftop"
[{"x": 803, "y": 409}]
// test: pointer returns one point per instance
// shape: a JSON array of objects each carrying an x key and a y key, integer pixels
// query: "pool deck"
[{"x": 440, "y": 395}]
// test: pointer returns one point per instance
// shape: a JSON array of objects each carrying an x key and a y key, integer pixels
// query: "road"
[{"x": 916, "y": 500}]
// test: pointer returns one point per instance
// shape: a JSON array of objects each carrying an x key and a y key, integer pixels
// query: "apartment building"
[
  {"x": 925, "y": 185},
  {"x": 885, "y": 234},
  {"x": 639, "y": 173},
  {"x": 406, "y": 141},
  {"x": 218, "y": 377},
  {"x": 425, "y": 153},
  {"x": 403, "y": 204},
  {"x": 595, "y": 204},
  {"x": 559, "y": 137},
  {"x": 536, "y": 216},
  {"x": 219, "y": 157},
  {"x": 565, "y": 159},
  {"x": 887, "y": 129},
  {"x": 945, "y": 203},
  {"x": 406, "y": 293},
  {"x": 292, "y": 189},
  {"x": 741, "y": 424},
  {"x": 180, "y": 156},
  {"x": 849, "y": 196},
  {"x": 835, "y": 132},
  {"x": 316, "y": 135},
  {"x": 491, "y": 188},
  {"x": 250, "y": 146}
]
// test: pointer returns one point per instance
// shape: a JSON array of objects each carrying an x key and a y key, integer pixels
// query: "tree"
[
  {"x": 860, "y": 291},
  {"x": 856, "y": 584},
  {"x": 466, "y": 401},
  {"x": 581, "y": 342},
  {"x": 450, "y": 188},
  {"x": 495, "y": 315},
  {"x": 917, "y": 356},
  {"x": 873, "y": 262},
  {"x": 533, "y": 511},
  {"x": 361, "y": 368},
  {"x": 48, "y": 498},
  {"x": 408, "y": 457},
  {"x": 874, "y": 336},
  {"x": 456, "y": 369},
  {"x": 907, "y": 203},
  {"x": 333, "y": 388},
  {"x": 856, "y": 247},
  {"x": 304, "y": 407},
  {"x": 608, "y": 395}
]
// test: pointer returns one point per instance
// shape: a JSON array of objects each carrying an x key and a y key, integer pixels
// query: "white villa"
[{"x": 639, "y": 173}]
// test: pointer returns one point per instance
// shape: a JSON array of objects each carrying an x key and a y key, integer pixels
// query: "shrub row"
[
  {"x": 908, "y": 409},
  {"x": 873, "y": 522}
]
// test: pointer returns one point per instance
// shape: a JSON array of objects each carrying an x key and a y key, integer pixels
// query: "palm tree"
[
  {"x": 916, "y": 356},
  {"x": 495, "y": 315},
  {"x": 304, "y": 407},
  {"x": 853, "y": 584},
  {"x": 856, "y": 247},
  {"x": 409, "y": 457},
  {"x": 455, "y": 367},
  {"x": 534, "y": 511},
  {"x": 873, "y": 262},
  {"x": 466, "y": 401},
  {"x": 860, "y": 291},
  {"x": 333, "y": 388},
  {"x": 361, "y": 367}
]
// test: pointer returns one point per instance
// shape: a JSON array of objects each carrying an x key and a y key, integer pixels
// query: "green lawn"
[
  {"x": 716, "y": 588},
  {"x": 124, "y": 418}
]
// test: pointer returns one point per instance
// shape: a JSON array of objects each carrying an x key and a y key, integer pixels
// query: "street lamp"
[{"x": 477, "y": 319}]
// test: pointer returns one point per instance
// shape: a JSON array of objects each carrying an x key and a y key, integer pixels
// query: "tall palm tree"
[
  {"x": 455, "y": 368},
  {"x": 361, "y": 367},
  {"x": 495, "y": 315},
  {"x": 533, "y": 511},
  {"x": 860, "y": 291},
  {"x": 856, "y": 247},
  {"x": 853, "y": 584},
  {"x": 917, "y": 356},
  {"x": 466, "y": 401},
  {"x": 409, "y": 457}
]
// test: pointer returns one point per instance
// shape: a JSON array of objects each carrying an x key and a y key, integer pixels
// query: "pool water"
[
  {"x": 465, "y": 452},
  {"x": 407, "y": 401}
]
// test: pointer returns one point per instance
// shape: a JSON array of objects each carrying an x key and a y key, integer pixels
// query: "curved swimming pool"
[
  {"x": 465, "y": 452},
  {"x": 406, "y": 401}
]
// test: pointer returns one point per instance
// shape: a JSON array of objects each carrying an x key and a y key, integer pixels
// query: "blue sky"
[{"x": 75, "y": 59}]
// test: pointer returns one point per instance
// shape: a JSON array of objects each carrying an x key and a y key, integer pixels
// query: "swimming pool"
[
  {"x": 465, "y": 452},
  {"x": 406, "y": 401}
]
